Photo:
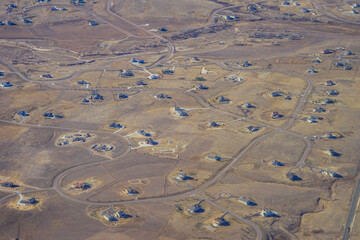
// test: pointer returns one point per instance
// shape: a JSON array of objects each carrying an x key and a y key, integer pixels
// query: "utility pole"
[{"x": 18, "y": 231}]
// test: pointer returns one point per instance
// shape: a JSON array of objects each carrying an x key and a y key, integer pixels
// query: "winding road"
[
  {"x": 195, "y": 191},
  {"x": 213, "y": 179}
]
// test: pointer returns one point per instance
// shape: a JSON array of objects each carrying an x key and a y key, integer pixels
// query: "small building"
[
  {"x": 251, "y": 129},
  {"x": 6, "y": 84},
  {"x": 229, "y": 17},
  {"x": 305, "y": 10},
  {"x": 329, "y": 83},
  {"x": 276, "y": 94},
  {"x": 85, "y": 100},
  {"x": 130, "y": 191},
  {"x": 339, "y": 64},
  {"x": 326, "y": 101},
  {"x": 277, "y": 163},
  {"x": 142, "y": 132},
  {"x": 332, "y": 93},
  {"x": 123, "y": 96},
  {"x": 168, "y": 71},
  {"x": 330, "y": 173},
  {"x": 49, "y": 115},
  {"x": 181, "y": 177},
  {"x": 153, "y": 76},
  {"x": 149, "y": 141},
  {"x": 102, "y": 147},
  {"x": 268, "y": 213},
  {"x": 331, "y": 152},
  {"x": 30, "y": 201},
  {"x": 81, "y": 185},
  {"x": 348, "y": 67},
  {"x": 78, "y": 2},
  {"x": 109, "y": 217},
  {"x": 23, "y": 113},
  {"x": 9, "y": 185},
  {"x": 217, "y": 222},
  {"x": 287, "y": 97},
  {"x": 292, "y": 177},
  {"x": 248, "y": 105},
  {"x": 115, "y": 125},
  {"x": 82, "y": 82},
  {"x": 285, "y": 3},
  {"x": 213, "y": 124},
  {"x": 246, "y": 201},
  {"x": 213, "y": 157},
  {"x": 163, "y": 96},
  {"x": 27, "y": 21},
  {"x": 192, "y": 59},
  {"x": 328, "y": 51},
  {"x": 275, "y": 115},
  {"x": 180, "y": 112},
  {"x": 133, "y": 60},
  {"x": 246, "y": 64},
  {"x": 332, "y": 135},
  {"x": 55, "y": 9},
  {"x": 222, "y": 99},
  {"x": 126, "y": 73},
  {"x": 96, "y": 97},
  {"x": 316, "y": 60},
  {"x": 235, "y": 79},
  {"x": 252, "y": 8},
  {"x": 109, "y": 214},
  {"x": 311, "y": 70},
  {"x": 92, "y": 23},
  {"x": 193, "y": 209},
  {"x": 121, "y": 214},
  {"x": 311, "y": 120},
  {"x": 141, "y": 83},
  {"x": 201, "y": 87},
  {"x": 2, "y": 74},
  {"x": 319, "y": 110},
  {"x": 10, "y": 23},
  {"x": 52, "y": 116},
  {"x": 355, "y": 5},
  {"x": 47, "y": 76}
]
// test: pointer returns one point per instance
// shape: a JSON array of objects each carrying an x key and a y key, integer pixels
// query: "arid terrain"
[{"x": 179, "y": 119}]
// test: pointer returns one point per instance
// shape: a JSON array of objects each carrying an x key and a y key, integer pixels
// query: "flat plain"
[{"x": 179, "y": 119}]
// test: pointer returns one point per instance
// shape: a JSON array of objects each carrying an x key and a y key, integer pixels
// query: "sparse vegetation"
[{"x": 105, "y": 115}]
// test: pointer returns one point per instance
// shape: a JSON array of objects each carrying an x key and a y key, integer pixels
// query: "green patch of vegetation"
[
  {"x": 200, "y": 79},
  {"x": 198, "y": 225},
  {"x": 94, "y": 214},
  {"x": 308, "y": 162}
]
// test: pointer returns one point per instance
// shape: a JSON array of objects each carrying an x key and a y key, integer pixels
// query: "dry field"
[{"x": 161, "y": 105}]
